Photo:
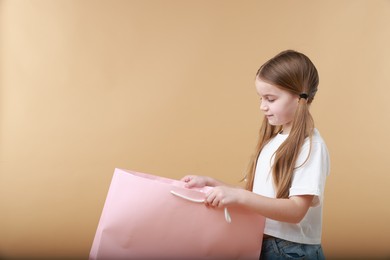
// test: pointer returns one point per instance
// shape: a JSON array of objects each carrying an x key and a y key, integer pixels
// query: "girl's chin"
[{"x": 273, "y": 123}]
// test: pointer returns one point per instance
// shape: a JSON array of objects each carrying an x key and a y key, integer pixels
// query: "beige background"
[{"x": 166, "y": 87}]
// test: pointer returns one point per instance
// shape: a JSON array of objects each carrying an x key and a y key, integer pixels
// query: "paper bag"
[{"x": 151, "y": 217}]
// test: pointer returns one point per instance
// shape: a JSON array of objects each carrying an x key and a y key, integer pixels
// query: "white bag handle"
[{"x": 227, "y": 215}]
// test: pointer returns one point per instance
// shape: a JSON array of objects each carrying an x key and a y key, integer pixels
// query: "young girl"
[{"x": 286, "y": 177}]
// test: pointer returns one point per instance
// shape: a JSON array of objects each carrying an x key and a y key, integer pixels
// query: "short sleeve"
[{"x": 311, "y": 172}]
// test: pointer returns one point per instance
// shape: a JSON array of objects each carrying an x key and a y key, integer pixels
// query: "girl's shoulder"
[
  {"x": 315, "y": 143},
  {"x": 316, "y": 138},
  {"x": 314, "y": 153}
]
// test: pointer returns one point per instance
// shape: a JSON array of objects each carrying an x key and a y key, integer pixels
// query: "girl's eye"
[{"x": 270, "y": 100}]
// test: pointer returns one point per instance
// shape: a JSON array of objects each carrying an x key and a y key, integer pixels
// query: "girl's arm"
[{"x": 291, "y": 210}]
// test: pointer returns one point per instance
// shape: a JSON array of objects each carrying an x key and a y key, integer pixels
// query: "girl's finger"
[{"x": 210, "y": 198}]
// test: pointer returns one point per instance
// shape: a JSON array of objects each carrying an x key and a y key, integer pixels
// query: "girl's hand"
[
  {"x": 194, "y": 181},
  {"x": 223, "y": 196}
]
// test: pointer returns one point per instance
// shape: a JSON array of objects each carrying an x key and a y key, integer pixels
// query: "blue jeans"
[{"x": 279, "y": 249}]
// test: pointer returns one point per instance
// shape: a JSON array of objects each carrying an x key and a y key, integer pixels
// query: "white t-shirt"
[{"x": 309, "y": 179}]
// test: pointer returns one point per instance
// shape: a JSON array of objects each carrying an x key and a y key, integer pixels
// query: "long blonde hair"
[{"x": 294, "y": 72}]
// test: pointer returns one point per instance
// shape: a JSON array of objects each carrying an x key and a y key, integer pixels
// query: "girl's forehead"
[{"x": 264, "y": 88}]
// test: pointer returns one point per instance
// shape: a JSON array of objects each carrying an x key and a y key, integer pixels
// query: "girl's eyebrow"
[{"x": 268, "y": 95}]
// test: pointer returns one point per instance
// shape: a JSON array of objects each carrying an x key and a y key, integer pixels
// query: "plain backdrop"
[{"x": 167, "y": 87}]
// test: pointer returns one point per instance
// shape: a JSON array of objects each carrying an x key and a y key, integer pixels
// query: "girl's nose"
[{"x": 263, "y": 106}]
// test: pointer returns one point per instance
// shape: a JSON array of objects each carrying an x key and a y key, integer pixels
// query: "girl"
[{"x": 286, "y": 177}]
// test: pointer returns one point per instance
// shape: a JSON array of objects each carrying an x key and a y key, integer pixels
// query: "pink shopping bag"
[{"x": 151, "y": 217}]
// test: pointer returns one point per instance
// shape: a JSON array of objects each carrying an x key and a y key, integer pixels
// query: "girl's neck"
[
  {"x": 284, "y": 132},
  {"x": 286, "y": 129}
]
